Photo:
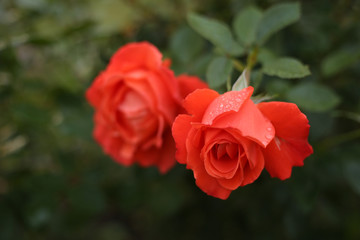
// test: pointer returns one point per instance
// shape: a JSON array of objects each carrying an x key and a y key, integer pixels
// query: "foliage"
[{"x": 55, "y": 182}]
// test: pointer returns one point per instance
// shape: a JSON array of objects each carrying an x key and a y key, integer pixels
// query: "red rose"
[
  {"x": 227, "y": 140},
  {"x": 136, "y": 100}
]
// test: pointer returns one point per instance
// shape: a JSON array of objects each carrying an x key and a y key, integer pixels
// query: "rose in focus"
[
  {"x": 227, "y": 140},
  {"x": 136, "y": 99}
]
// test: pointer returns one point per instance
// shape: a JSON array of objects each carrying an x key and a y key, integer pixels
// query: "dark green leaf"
[
  {"x": 286, "y": 68},
  {"x": 314, "y": 97},
  {"x": 277, "y": 18},
  {"x": 216, "y": 32},
  {"x": 278, "y": 86},
  {"x": 180, "y": 46},
  {"x": 338, "y": 61},
  {"x": 246, "y": 24},
  {"x": 265, "y": 55},
  {"x": 218, "y": 71}
]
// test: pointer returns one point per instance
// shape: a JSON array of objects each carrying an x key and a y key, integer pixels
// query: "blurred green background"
[{"x": 55, "y": 181}]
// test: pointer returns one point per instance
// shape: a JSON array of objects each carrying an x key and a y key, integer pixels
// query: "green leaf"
[
  {"x": 216, "y": 32},
  {"x": 218, "y": 71},
  {"x": 314, "y": 97},
  {"x": 200, "y": 64},
  {"x": 277, "y": 18},
  {"x": 286, "y": 68},
  {"x": 256, "y": 79},
  {"x": 246, "y": 24},
  {"x": 265, "y": 55},
  {"x": 338, "y": 61},
  {"x": 278, "y": 86},
  {"x": 241, "y": 82},
  {"x": 180, "y": 46}
]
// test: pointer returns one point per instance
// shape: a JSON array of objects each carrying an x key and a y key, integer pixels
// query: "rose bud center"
[{"x": 222, "y": 160}]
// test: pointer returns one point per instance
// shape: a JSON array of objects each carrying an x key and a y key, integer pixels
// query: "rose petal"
[
  {"x": 234, "y": 182},
  {"x": 155, "y": 91},
  {"x": 147, "y": 157},
  {"x": 152, "y": 129},
  {"x": 167, "y": 62},
  {"x": 290, "y": 146},
  {"x": 229, "y": 101},
  {"x": 218, "y": 168},
  {"x": 180, "y": 130},
  {"x": 120, "y": 151},
  {"x": 288, "y": 120},
  {"x": 141, "y": 87},
  {"x": 135, "y": 119},
  {"x": 232, "y": 150},
  {"x": 167, "y": 156},
  {"x": 255, "y": 157},
  {"x": 251, "y": 159},
  {"x": 249, "y": 121},
  {"x": 167, "y": 94},
  {"x": 188, "y": 84},
  {"x": 94, "y": 94},
  {"x": 163, "y": 159},
  {"x": 203, "y": 180},
  {"x": 132, "y": 104},
  {"x": 135, "y": 56},
  {"x": 198, "y": 101}
]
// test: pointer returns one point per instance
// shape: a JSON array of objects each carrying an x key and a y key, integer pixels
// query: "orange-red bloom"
[
  {"x": 227, "y": 140},
  {"x": 136, "y": 99}
]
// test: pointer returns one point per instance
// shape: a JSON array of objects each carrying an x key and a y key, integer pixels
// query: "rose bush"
[
  {"x": 136, "y": 99},
  {"x": 227, "y": 140}
]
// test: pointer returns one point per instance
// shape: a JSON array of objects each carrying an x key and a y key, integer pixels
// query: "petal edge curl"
[{"x": 290, "y": 146}]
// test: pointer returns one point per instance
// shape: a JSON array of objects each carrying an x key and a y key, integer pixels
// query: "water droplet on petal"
[{"x": 269, "y": 136}]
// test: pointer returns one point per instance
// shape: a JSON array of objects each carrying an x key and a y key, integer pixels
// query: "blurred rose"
[{"x": 136, "y": 100}]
